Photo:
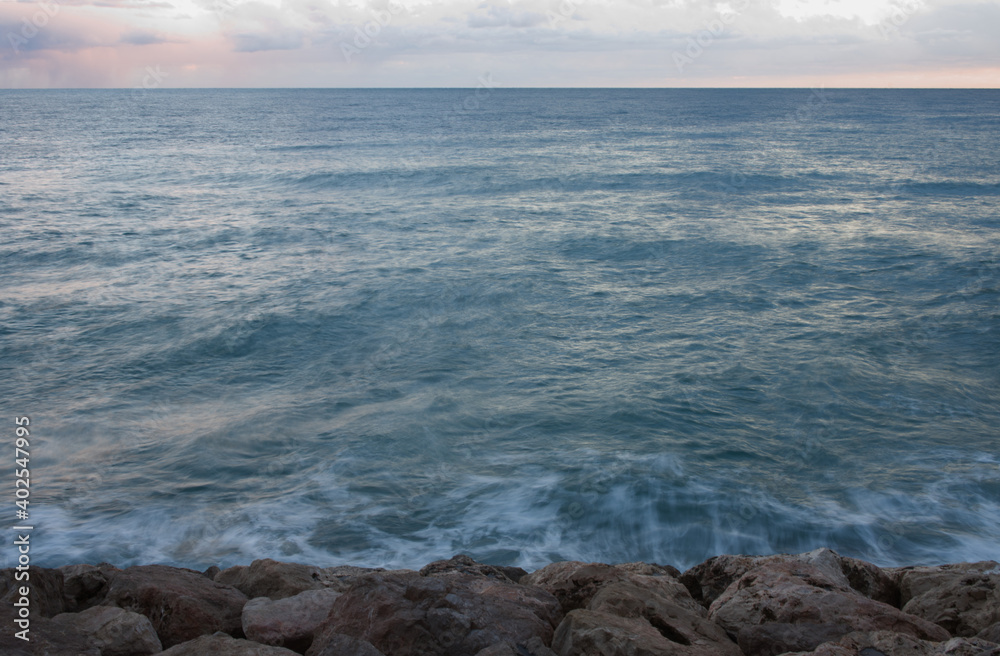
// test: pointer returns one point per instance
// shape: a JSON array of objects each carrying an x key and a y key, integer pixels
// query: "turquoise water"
[{"x": 384, "y": 327}]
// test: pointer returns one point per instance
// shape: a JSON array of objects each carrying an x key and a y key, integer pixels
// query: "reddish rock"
[
  {"x": 116, "y": 632},
  {"x": 404, "y": 613},
  {"x": 574, "y": 583},
  {"x": 711, "y": 578},
  {"x": 779, "y": 638},
  {"x": 341, "y": 577},
  {"x": 46, "y": 596},
  {"x": 467, "y": 565},
  {"x": 181, "y": 603},
  {"x": 963, "y": 598},
  {"x": 290, "y": 622},
  {"x": 796, "y": 592},
  {"x": 684, "y": 624},
  {"x": 45, "y": 638},
  {"x": 221, "y": 644},
  {"x": 887, "y": 643},
  {"x": 331, "y": 643},
  {"x": 534, "y": 647}
]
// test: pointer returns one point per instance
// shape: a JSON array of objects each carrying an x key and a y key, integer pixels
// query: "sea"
[{"x": 382, "y": 327}]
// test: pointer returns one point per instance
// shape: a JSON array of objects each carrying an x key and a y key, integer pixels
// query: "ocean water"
[{"x": 382, "y": 327}]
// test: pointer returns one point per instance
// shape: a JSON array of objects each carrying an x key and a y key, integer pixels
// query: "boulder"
[
  {"x": 888, "y": 643},
  {"x": 331, "y": 643},
  {"x": 963, "y": 598},
  {"x": 86, "y": 585},
  {"x": 684, "y": 625},
  {"x": 586, "y": 632},
  {"x": 711, "y": 578},
  {"x": 181, "y": 603},
  {"x": 404, "y": 613},
  {"x": 116, "y": 632},
  {"x": 341, "y": 577},
  {"x": 533, "y": 647},
  {"x": 797, "y": 592},
  {"x": 45, "y": 638},
  {"x": 780, "y": 637},
  {"x": 271, "y": 578},
  {"x": 221, "y": 644},
  {"x": 290, "y": 622},
  {"x": 574, "y": 583},
  {"x": 990, "y": 633},
  {"x": 467, "y": 565},
  {"x": 47, "y": 594}
]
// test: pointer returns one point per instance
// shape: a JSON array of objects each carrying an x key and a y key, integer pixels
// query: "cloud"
[
  {"x": 504, "y": 17},
  {"x": 267, "y": 41}
]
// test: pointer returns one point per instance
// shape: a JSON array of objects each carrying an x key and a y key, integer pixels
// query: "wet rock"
[
  {"x": 574, "y": 583},
  {"x": 221, "y": 644},
  {"x": 86, "y": 586},
  {"x": 586, "y": 632},
  {"x": 467, "y": 565},
  {"x": 290, "y": 622},
  {"x": 796, "y": 592},
  {"x": 115, "y": 631},
  {"x": 963, "y": 598},
  {"x": 181, "y": 603},
  {"x": 404, "y": 613}
]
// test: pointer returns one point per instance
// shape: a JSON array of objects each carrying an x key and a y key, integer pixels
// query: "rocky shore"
[{"x": 817, "y": 603}]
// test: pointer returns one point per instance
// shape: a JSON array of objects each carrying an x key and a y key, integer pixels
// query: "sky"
[{"x": 499, "y": 43}]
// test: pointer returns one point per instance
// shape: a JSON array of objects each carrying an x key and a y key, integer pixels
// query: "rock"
[
  {"x": 574, "y": 583},
  {"x": 45, "y": 638},
  {"x": 270, "y": 578},
  {"x": 990, "y": 633},
  {"x": 341, "y": 577},
  {"x": 404, "y": 613},
  {"x": 221, "y": 644},
  {"x": 181, "y": 603},
  {"x": 887, "y": 643},
  {"x": 116, "y": 632},
  {"x": 211, "y": 572},
  {"x": 290, "y": 622},
  {"x": 47, "y": 593},
  {"x": 534, "y": 647},
  {"x": 963, "y": 598},
  {"x": 467, "y": 565},
  {"x": 499, "y": 649},
  {"x": 795, "y": 592},
  {"x": 778, "y": 637},
  {"x": 86, "y": 585},
  {"x": 331, "y": 643},
  {"x": 586, "y": 632},
  {"x": 711, "y": 578},
  {"x": 679, "y": 623}
]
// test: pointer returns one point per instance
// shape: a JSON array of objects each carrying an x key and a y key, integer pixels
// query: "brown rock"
[
  {"x": 591, "y": 633},
  {"x": 331, "y": 643},
  {"x": 181, "y": 603},
  {"x": 290, "y": 622},
  {"x": 684, "y": 624},
  {"x": 887, "y": 643},
  {"x": 221, "y": 644},
  {"x": 116, "y": 632},
  {"x": 404, "y": 613},
  {"x": 574, "y": 584},
  {"x": 964, "y": 598},
  {"x": 711, "y": 578},
  {"x": 778, "y": 638},
  {"x": 467, "y": 565},
  {"x": 796, "y": 592},
  {"x": 273, "y": 579},
  {"x": 341, "y": 577},
  {"x": 990, "y": 633},
  {"x": 46, "y": 592},
  {"x": 45, "y": 638},
  {"x": 534, "y": 647},
  {"x": 86, "y": 585}
]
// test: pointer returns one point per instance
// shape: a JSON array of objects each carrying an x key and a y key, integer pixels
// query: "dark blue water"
[{"x": 384, "y": 327}]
